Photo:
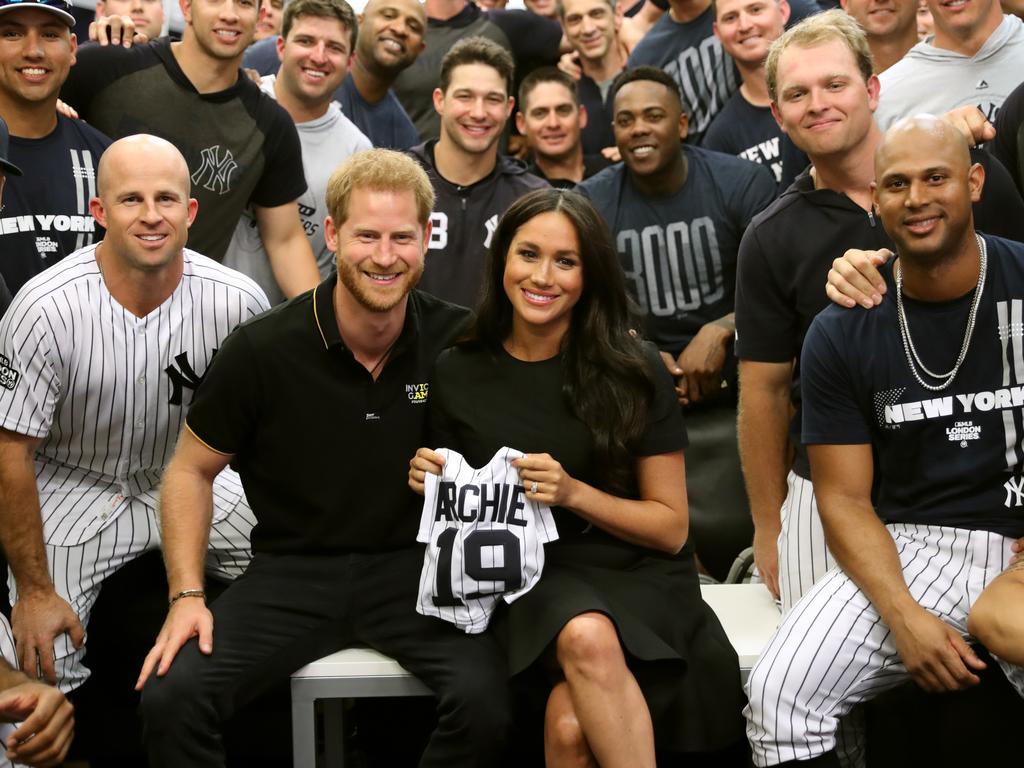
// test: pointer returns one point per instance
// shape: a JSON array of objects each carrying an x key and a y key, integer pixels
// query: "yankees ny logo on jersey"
[
  {"x": 485, "y": 540},
  {"x": 183, "y": 376}
]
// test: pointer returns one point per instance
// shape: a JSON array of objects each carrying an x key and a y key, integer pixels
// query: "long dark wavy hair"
[{"x": 607, "y": 383}]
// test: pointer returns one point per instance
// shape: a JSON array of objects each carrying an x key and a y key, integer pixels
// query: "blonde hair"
[
  {"x": 815, "y": 30},
  {"x": 381, "y": 170}
]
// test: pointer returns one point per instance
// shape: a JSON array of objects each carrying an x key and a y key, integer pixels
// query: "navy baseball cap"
[
  {"x": 60, "y": 8},
  {"x": 6, "y": 165}
]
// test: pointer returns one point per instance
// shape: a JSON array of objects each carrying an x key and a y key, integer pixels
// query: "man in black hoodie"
[{"x": 473, "y": 183}]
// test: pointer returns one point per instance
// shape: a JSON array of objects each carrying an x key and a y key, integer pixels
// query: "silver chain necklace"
[{"x": 908, "y": 344}]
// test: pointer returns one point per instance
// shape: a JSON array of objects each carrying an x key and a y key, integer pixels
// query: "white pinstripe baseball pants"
[
  {"x": 79, "y": 571},
  {"x": 832, "y": 650},
  {"x": 803, "y": 556}
]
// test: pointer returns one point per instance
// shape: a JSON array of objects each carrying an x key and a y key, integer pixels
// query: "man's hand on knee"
[
  {"x": 49, "y": 721},
  {"x": 934, "y": 653},
  {"x": 186, "y": 619},
  {"x": 36, "y": 619}
]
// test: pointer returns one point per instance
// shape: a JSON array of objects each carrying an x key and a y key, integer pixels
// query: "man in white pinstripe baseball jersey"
[
  {"x": 99, "y": 356},
  {"x": 949, "y": 491}
]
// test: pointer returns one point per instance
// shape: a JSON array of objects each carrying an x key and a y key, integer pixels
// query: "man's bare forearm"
[
  {"x": 186, "y": 511},
  {"x": 764, "y": 450},
  {"x": 865, "y": 550},
  {"x": 21, "y": 524}
]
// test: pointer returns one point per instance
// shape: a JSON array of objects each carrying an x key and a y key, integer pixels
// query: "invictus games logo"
[
  {"x": 9, "y": 376},
  {"x": 216, "y": 171},
  {"x": 963, "y": 431},
  {"x": 417, "y": 393}
]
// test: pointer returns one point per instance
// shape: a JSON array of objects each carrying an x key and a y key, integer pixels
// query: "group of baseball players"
[{"x": 152, "y": 397}]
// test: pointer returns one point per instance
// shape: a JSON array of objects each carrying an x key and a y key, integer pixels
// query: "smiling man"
[
  {"x": 592, "y": 30},
  {"x": 745, "y": 127},
  {"x": 473, "y": 183},
  {"x": 102, "y": 353},
  {"x": 338, "y": 516},
  {"x": 551, "y": 118},
  {"x": 919, "y": 518},
  {"x": 823, "y": 90},
  {"x": 242, "y": 148},
  {"x": 390, "y": 40},
  {"x": 975, "y": 58},
  {"x": 46, "y": 209},
  {"x": 315, "y": 50},
  {"x": 677, "y": 213}
]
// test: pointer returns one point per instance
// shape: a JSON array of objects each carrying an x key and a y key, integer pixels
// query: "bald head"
[
  {"x": 144, "y": 205},
  {"x": 141, "y": 153},
  {"x": 925, "y": 186},
  {"x": 912, "y": 134}
]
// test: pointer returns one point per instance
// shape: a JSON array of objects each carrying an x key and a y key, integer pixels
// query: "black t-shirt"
[
  {"x": 679, "y": 252},
  {"x": 598, "y": 133},
  {"x": 322, "y": 449},
  {"x": 240, "y": 145},
  {"x": 950, "y": 458},
  {"x": 483, "y": 400},
  {"x": 46, "y": 211},
  {"x": 788, "y": 249},
  {"x": 750, "y": 132},
  {"x": 1008, "y": 145},
  {"x": 592, "y": 165}
]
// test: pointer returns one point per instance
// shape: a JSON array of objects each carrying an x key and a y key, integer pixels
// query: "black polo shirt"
[{"x": 323, "y": 450}]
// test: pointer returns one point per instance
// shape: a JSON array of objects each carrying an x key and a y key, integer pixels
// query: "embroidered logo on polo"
[
  {"x": 8, "y": 376},
  {"x": 417, "y": 393}
]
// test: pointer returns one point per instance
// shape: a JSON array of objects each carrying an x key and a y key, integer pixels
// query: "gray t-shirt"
[
  {"x": 326, "y": 142},
  {"x": 934, "y": 80}
]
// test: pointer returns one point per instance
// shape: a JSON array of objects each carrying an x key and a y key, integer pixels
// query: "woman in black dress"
[{"x": 633, "y": 657}]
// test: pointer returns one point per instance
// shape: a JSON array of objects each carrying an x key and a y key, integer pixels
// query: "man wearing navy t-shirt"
[
  {"x": 46, "y": 211},
  {"x": 745, "y": 126},
  {"x": 926, "y": 388},
  {"x": 677, "y": 213}
]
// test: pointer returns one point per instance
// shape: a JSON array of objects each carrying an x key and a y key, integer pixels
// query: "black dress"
[{"x": 481, "y": 401}]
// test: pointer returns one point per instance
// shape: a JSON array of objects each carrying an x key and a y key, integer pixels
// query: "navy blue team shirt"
[
  {"x": 951, "y": 458},
  {"x": 679, "y": 252},
  {"x": 46, "y": 211}
]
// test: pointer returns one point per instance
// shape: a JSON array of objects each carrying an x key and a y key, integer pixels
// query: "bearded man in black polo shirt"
[{"x": 343, "y": 369}]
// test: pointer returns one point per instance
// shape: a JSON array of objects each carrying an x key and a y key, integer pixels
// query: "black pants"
[{"x": 287, "y": 611}]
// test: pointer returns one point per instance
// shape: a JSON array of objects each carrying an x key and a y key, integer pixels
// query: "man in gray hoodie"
[{"x": 975, "y": 57}]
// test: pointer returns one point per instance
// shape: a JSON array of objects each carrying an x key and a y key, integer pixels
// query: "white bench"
[{"x": 747, "y": 612}]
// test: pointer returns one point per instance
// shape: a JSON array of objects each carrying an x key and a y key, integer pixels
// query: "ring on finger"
[{"x": 533, "y": 488}]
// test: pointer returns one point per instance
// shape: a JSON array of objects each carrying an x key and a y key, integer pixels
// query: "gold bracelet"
[{"x": 186, "y": 593}]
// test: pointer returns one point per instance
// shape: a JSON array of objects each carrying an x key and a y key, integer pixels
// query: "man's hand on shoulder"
[
  {"x": 854, "y": 278},
  {"x": 972, "y": 123},
  {"x": 36, "y": 619},
  {"x": 934, "y": 653},
  {"x": 116, "y": 30},
  {"x": 47, "y": 723},
  {"x": 187, "y": 618}
]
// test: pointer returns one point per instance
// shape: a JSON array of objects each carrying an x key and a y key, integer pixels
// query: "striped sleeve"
[{"x": 30, "y": 381}]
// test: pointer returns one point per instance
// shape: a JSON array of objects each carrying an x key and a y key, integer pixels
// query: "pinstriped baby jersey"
[{"x": 485, "y": 540}]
